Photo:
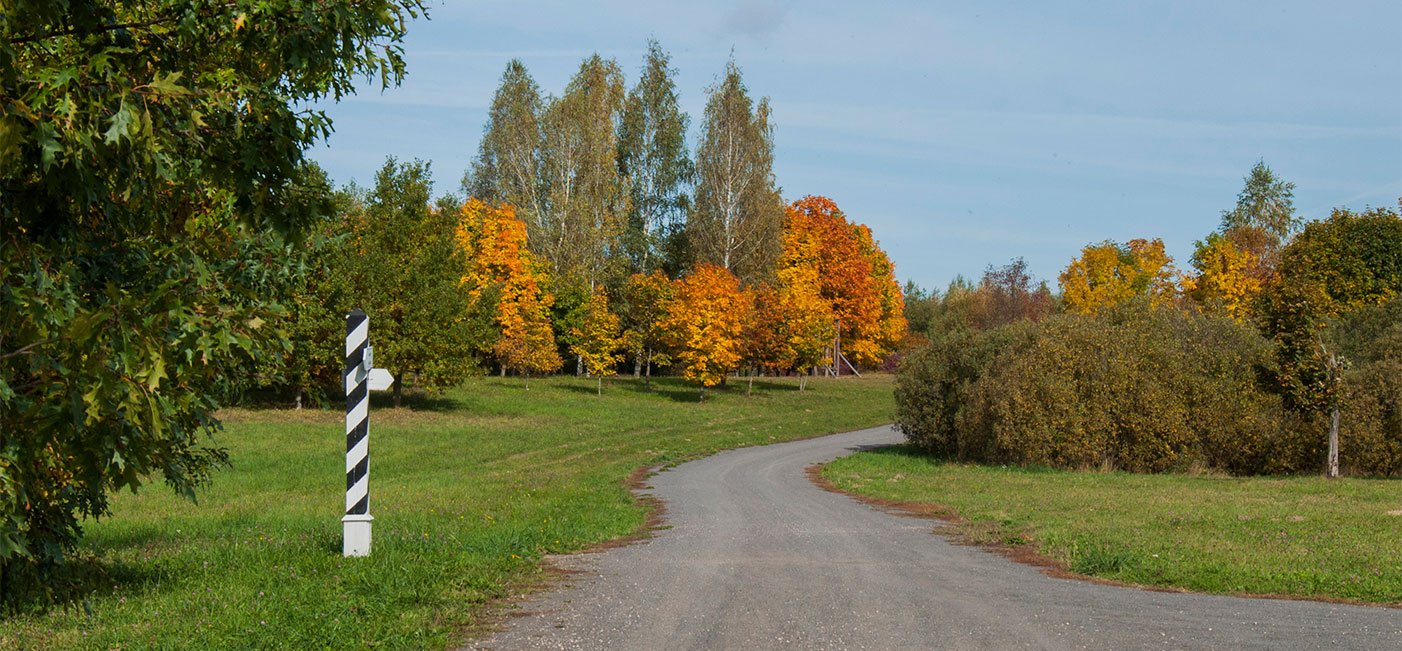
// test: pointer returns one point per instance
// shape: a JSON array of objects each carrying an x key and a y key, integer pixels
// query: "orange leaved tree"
[
  {"x": 596, "y": 338},
  {"x": 852, "y": 274},
  {"x": 704, "y": 324},
  {"x": 501, "y": 269}
]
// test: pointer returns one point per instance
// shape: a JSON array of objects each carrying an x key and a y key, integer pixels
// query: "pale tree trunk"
[
  {"x": 601, "y": 385},
  {"x": 647, "y": 378},
  {"x": 299, "y": 399},
  {"x": 751, "y": 388},
  {"x": 1333, "y": 470},
  {"x": 527, "y": 376}
]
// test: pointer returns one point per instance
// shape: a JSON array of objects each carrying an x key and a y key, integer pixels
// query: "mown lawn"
[
  {"x": 1299, "y": 536},
  {"x": 468, "y": 491}
]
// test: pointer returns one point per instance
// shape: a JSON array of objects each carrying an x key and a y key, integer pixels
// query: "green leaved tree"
[
  {"x": 738, "y": 214},
  {"x": 405, "y": 271},
  {"x": 148, "y": 151},
  {"x": 652, "y": 158}
]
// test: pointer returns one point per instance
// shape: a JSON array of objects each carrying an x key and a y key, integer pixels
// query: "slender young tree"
[
  {"x": 645, "y": 301},
  {"x": 653, "y": 160},
  {"x": 597, "y": 339},
  {"x": 579, "y": 225},
  {"x": 738, "y": 215},
  {"x": 508, "y": 165},
  {"x": 1266, "y": 203}
]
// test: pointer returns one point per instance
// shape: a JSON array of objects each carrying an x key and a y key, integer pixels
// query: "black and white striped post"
[{"x": 360, "y": 378}]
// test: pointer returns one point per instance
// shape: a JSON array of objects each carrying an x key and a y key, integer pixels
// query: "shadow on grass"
[
  {"x": 418, "y": 401},
  {"x": 28, "y": 589}
]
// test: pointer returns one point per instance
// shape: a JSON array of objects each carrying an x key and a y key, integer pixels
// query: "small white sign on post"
[{"x": 380, "y": 379}]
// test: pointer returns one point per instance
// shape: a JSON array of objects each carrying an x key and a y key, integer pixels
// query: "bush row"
[{"x": 1146, "y": 390}]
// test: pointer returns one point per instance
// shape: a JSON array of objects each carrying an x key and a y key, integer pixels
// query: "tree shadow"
[
  {"x": 417, "y": 401},
  {"x": 30, "y": 589}
]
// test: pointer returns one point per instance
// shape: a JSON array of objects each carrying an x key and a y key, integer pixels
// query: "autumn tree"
[
  {"x": 738, "y": 215},
  {"x": 765, "y": 338},
  {"x": 644, "y": 304},
  {"x": 872, "y": 342},
  {"x": 653, "y": 160},
  {"x": 1229, "y": 276},
  {"x": 705, "y": 322},
  {"x": 809, "y": 325},
  {"x": 508, "y": 165},
  {"x": 597, "y": 338},
  {"x": 851, "y": 274},
  {"x": 1108, "y": 273},
  {"x": 147, "y": 150},
  {"x": 578, "y": 229},
  {"x": 503, "y": 277}
]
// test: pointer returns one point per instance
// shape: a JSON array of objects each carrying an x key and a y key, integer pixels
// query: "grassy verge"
[
  {"x": 1302, "y": 537},
  {"x": 468, "y": 492}
]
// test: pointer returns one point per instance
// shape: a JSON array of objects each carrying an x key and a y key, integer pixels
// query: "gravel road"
[{"x": 757, "y": 557}]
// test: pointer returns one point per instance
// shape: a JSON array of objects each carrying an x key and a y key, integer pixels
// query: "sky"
[{"x": 965, "y": 134}]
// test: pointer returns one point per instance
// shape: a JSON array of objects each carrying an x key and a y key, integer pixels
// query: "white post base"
[{"x": 356, "y": 535}]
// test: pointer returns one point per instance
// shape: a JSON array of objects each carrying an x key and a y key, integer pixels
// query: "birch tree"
[
  {"x": 653, "y": 160},
  {"x": 738, "y": 215},
  {"x": 507, "y": 169},
  {"x": 579, "y": 225}
]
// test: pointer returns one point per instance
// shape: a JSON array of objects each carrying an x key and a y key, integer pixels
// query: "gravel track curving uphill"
[{"x": 757, "y": 557}]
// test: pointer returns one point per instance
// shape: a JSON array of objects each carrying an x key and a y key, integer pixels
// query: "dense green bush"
[
  {"x": 1130, "y": 388},
  {"x": 1370, "y": 431}
]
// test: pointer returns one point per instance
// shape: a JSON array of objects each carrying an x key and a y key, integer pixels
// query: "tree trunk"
[
  {"x": 503, "y": 370},
  {"x": 527, "y": 375},
  {"x": 299, "y": 399},
  {"x": 647, "y": 379},
  {"x": 751, "y": 388},
  {"x": 398, "y": 390},
  {"x": 601, "y": 385},
  {"x": 1332, "y": 472},
  {"x": 638, "y": 365}
]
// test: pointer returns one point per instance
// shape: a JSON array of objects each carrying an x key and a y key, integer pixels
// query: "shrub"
[
  {"x": 1370, "y": 431},
  {"x": 1132, "y": 388}
]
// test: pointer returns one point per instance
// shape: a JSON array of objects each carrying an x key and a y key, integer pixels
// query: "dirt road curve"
[{"x": 759, "y": 558}]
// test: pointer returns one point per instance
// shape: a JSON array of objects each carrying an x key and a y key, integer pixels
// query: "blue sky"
[{"x": 964, "y": 134}]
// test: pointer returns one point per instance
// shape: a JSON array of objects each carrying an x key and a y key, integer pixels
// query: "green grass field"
[
  {"x": 468, "y": 492},
  {"x": 1303, "y": 536}
]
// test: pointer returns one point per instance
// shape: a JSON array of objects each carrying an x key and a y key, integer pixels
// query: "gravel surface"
[{"x": 757, "y": 557}]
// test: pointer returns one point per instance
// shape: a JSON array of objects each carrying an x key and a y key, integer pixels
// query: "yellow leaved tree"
[
  {"x": 1108, "y": 273},
  {"x": 704, "y": 323},
  {"x": 596, "y": 338},
  {"x": 1230, "y": 275}
]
